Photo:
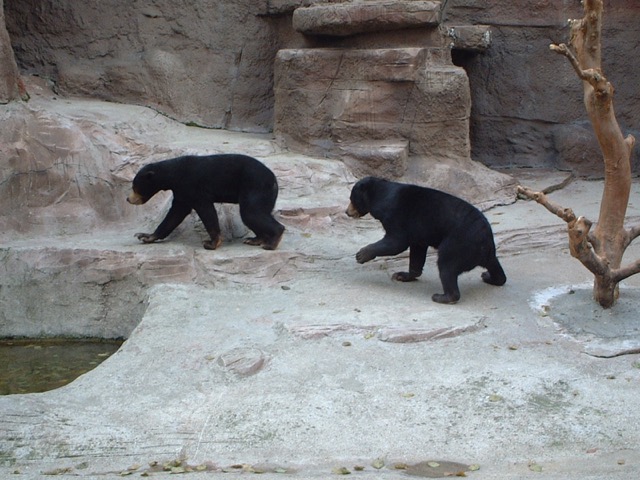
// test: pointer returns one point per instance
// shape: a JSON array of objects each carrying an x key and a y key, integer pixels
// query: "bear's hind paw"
[
  {"x": 212, "y": 244},
  {"x": 264, "y": 243},
  {"x": 255, "y": 241},
  {"x": 497, "y": 280}
]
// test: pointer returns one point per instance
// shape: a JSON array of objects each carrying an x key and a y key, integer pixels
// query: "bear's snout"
[
  {"x": 352, "y": 211},
  {"x": 135, "y": 199}
]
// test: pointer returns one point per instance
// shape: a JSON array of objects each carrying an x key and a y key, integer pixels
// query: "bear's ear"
[
  {"x": 369, "y": 182},
  {"x": 148, "y": 175},
  {"x": 366, "y": 184}
]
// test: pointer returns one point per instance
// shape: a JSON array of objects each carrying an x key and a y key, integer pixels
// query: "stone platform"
[{"x": 301, "y": 362}]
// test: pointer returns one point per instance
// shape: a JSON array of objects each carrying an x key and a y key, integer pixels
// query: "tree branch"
[
  {"x": 562, "y": 49},
  {"x": 634, "y": 232},
  {"x": 565, "y": 214},
  {"x": 581, "y": 248},
  {"x": 594, "y": 77},
  {"x": 621, "y": 273},
  {"x": 578, "y": 229},
  {"x": 602, "y": 249}
]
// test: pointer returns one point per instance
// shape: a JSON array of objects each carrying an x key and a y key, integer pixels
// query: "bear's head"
[
  {"x": 360, "y": 200},
  {"x": 144, "y": 186}
]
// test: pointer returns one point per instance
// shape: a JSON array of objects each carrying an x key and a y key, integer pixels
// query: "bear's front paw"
[
  {"x": 146, "y": 237},
  {"x": 450, "y": 298},
  {"x": 404, "y": 277},
  {"x": 364, "y": 255}
]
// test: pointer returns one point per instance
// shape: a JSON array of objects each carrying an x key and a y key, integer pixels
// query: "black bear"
[
  {"x": 417, "y": 218},
  {"x": 197, "y": 182}
]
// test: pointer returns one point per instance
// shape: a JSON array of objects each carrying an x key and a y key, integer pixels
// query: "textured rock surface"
[
  {"x": 8, "y": 68},
  {"x": 297, "y": 359},
  {"x": 213, "y": 63},
  {"x": 411, "y": 95},
  {"x": 474, "y": 38},
  {"x": 525, "y": 96},
  {"x": 204, "y": 62},
  {"x": 374, "y": 16},
  {"x": 65, "y": 170}
]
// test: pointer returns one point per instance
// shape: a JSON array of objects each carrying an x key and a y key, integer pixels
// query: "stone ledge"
[
  {"x": 342, "y": 20},
  {"x": 381, "y": 64},
  {"x": 387, "y": 158},
  {"x": 281, "y": 7},
  {"x": 475, "y": 38}
]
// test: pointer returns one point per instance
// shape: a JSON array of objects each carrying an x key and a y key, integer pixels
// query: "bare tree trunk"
[{"x": 599, "y": 251}]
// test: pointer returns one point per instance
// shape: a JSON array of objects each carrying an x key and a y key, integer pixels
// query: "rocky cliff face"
[
  {"x": 527, "y": 101},
  {"x": 212, "y": 63},
  {"x": 9, "y": 77},
  {"x": 208, "y": 63}
]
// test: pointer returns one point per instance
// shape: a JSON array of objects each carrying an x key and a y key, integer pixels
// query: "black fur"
[
  {"x": 417, "y": 218},
  {"x": 197, "y": 182}
]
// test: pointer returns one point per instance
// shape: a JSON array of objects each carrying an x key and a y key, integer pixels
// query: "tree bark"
[{"x": 600, "y": 251}]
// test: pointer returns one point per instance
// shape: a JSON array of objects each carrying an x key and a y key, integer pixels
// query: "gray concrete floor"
[
  {"x": 301, "y": 362},
  {"x": 313, "y": 363}
]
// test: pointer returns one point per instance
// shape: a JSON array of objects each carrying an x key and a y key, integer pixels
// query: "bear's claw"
[
  {"x": 146, "y": 237},
  {"x": 404, "y": 277},
  {"x": 212, "y": 244}
]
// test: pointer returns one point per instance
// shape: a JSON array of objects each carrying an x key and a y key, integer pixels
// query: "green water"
[{"x": 39, "y": 365}]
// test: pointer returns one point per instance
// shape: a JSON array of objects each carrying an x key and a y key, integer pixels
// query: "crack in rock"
[
  {"x": 404, "y": 334},
  {"x": 391, "y": 334}
]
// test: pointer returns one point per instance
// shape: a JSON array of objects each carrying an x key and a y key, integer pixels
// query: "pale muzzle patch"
[
  {"x": 352, "y": 211},
  {"x": 135, "y": 199}
]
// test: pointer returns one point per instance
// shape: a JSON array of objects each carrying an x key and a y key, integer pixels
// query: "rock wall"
[
  {"x": 212, "y": 63},
  {"x": 9, "y": 77},
  {"x": 209, "y": 63},
  {"x": 527, "y": 101},
  {"x": 376, "y": 88}
]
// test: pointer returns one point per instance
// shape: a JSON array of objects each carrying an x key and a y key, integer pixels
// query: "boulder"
[
  {"x": 329, "y": 101},
  {"x": 344, "y": 19}
]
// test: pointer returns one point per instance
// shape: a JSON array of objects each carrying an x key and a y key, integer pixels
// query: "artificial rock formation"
[
  {"x": 212, "y": 63},
  {"x": 9, "y": 77},
  {"x": 375, "y": 100},
  {"x": 345, "y": 19},
  {"x": 200, "y": 62},
  {"x": 527, "y": 108},
  {"x": 379, "y": 105},
  {"x": 376, "y": 107}
]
